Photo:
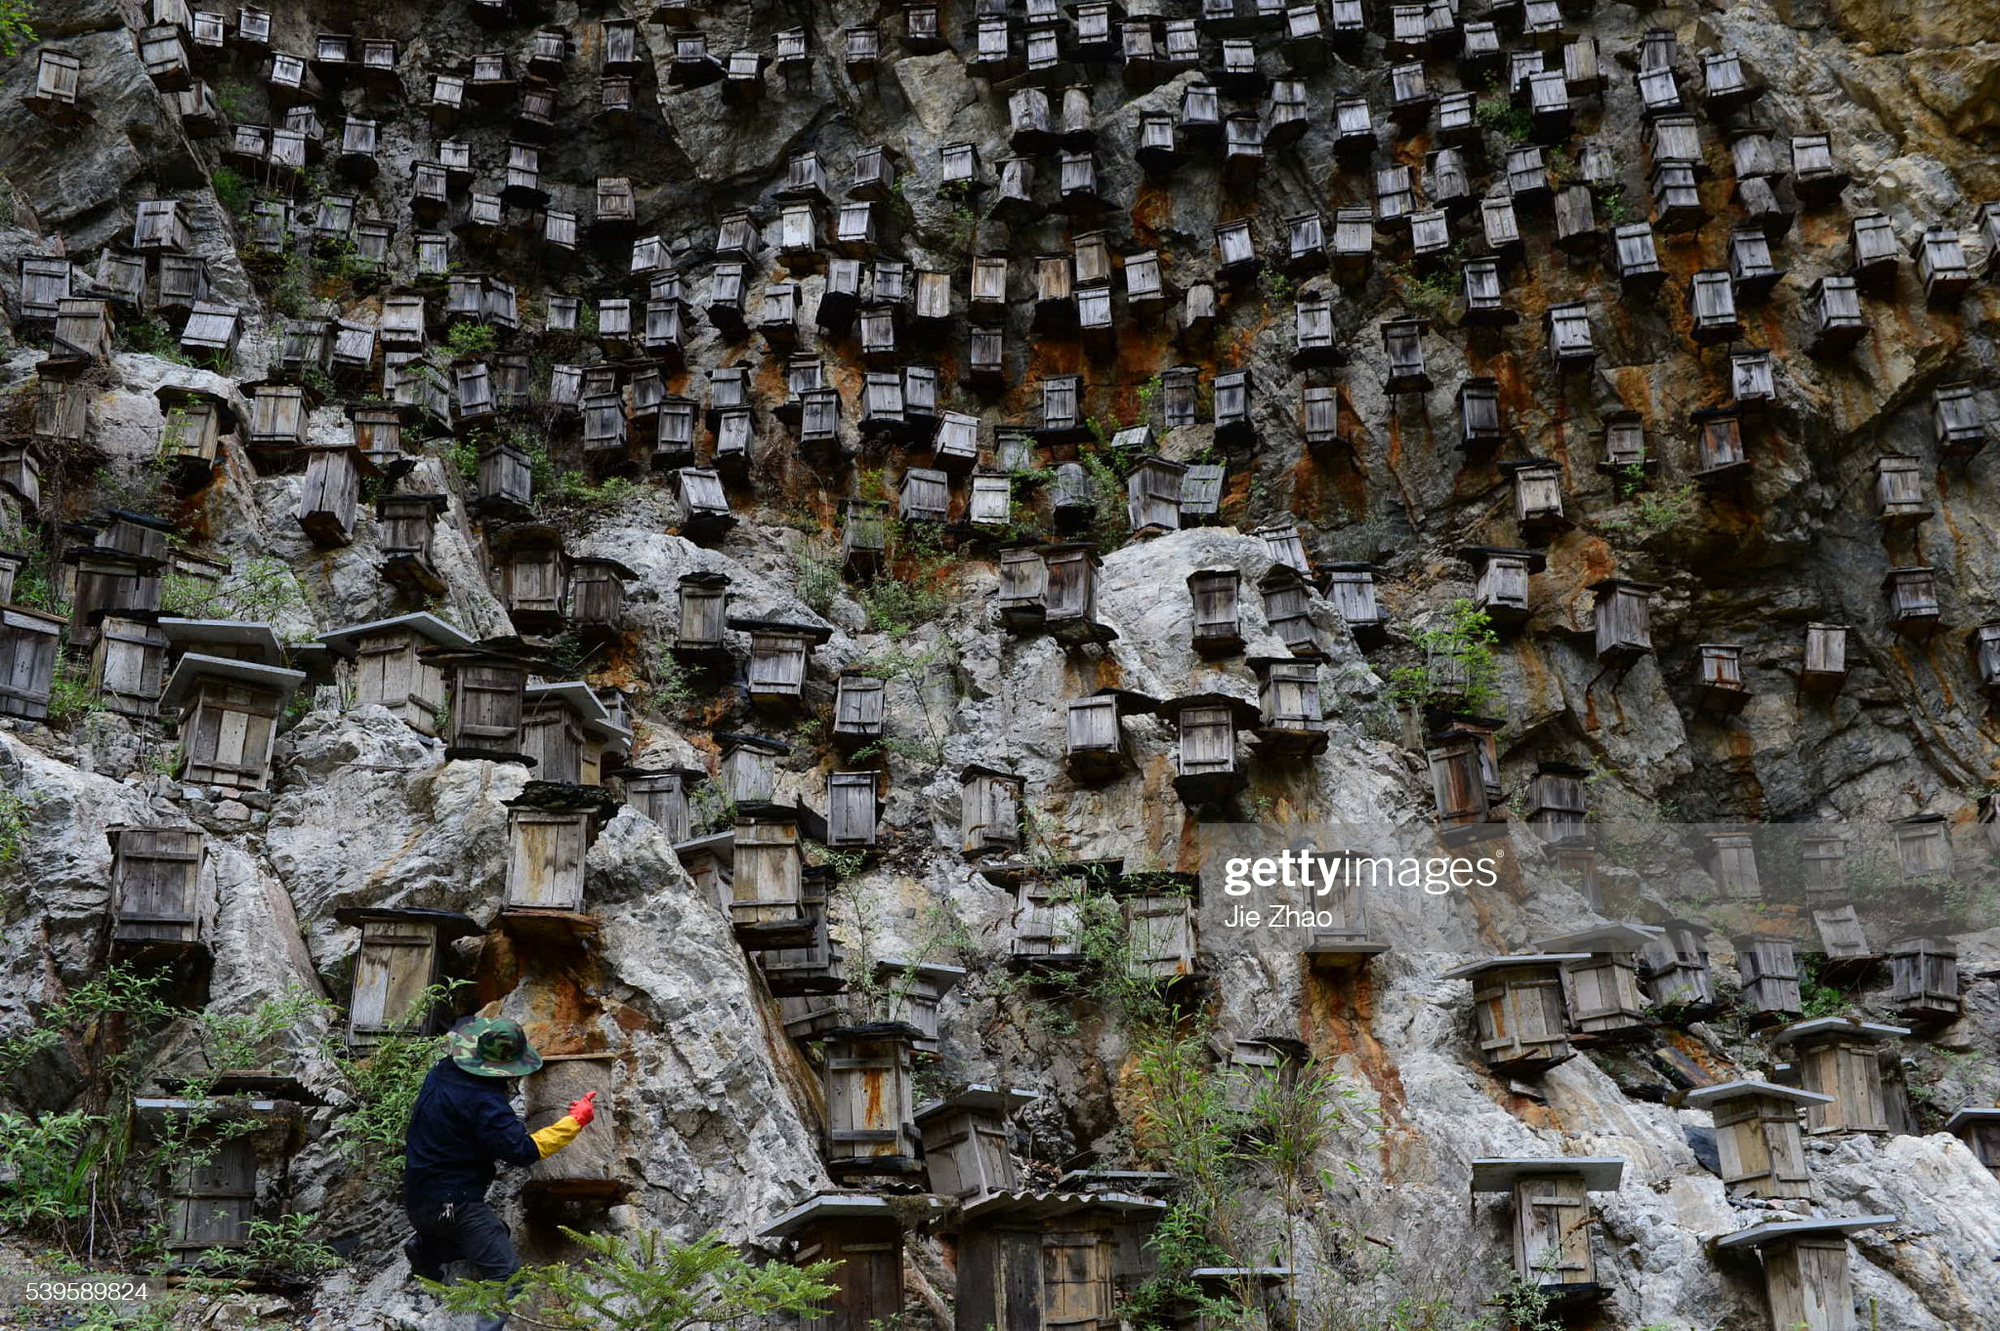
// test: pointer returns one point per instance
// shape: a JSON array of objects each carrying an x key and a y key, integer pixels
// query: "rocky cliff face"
[{"x": 719, "y": 1112}]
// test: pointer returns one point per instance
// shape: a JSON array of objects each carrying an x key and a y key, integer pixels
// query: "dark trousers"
[{"x": 470, "y": 1232}]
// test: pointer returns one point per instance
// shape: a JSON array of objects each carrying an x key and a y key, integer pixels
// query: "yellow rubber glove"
[{"x": 556, "y": 1135}]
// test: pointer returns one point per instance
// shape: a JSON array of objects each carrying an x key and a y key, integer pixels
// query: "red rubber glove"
[{"x": 584, "y": 1110}]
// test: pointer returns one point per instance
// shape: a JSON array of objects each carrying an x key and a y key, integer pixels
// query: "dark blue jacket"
[{"x": 460, "y": 1128}]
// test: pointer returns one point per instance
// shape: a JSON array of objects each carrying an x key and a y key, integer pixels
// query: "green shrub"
[
  {"x": 1458, "y": 667},
  {"x": 232, "y": 190},
  {"x": 470, "y": 339},
  {"x": 919, "y": 587},
  {"x": 17, "y": 33},
  {"x": 647, "y": 1282}
]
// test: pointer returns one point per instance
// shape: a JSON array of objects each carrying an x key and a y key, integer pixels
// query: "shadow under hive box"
[
  {"x": 401, "y": 955},
  {"x": 1758, "y": 1136},
  {"x": 1805, "y": 1268},
  {"x": 1518, "y": 1001},
  {"x": 390, "y": 669},
  {"x": 1601, "y": 995},
  {"x": 862, "y": 1234},
  {"x": 1551, "y": 1220},
  {"x": 592, "y": 1168},
  {"x": 1840, "y": 1058}
]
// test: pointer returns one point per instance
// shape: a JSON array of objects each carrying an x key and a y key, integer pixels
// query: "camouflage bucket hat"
[{"x": 492, "y": 1047}]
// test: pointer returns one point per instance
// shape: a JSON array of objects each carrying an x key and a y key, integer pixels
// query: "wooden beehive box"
[
  {"x": 404, "y": 527},
  {"x": 548, "y": 838},
  {"x": 159, "y": 894},
  {"x": 767, "y": 886},
  {"x": 989, "y": 811},
  {"x": 533, "y": 575},
  {"x": 1923, "y": 970},
  {"x": 1805, "y": 1266},
  {"x": 1070, "y": 601},
  {"x": 390, "y": 669},
  {"x": 1551, "y": 1220},
  {"x": 592, "y": 1167},
  {"x": 857, "y": 710},
  {"x": 330, "y": 494},
  {"x": 1207, "y": 769},
  {"x": 29, "y": 641},
  {"x": 229, "y": 718},
  {"x": 596, "y": 595},
  {"x": 1758, "y": 1136},
  {"x": 870, "y": 1126},
  {"x": 127, "y": 666},
  {"x": 1601, "y": 993},
  {"x": 1767, "y": 968},
  {"x": 966, "y": 1137},
  {"x": 1291, "y": 720},
  {"x": 850, "y": 809},
  {"x": 401, "y": 956},
  {"x": 863, "y": 1237},
  {"x": 1518, "y": 1001},
  {"x": 1840, "y": 1058},
  {"x": 1215, "y": 595},
  {"x": 1979, "y": 1129}
]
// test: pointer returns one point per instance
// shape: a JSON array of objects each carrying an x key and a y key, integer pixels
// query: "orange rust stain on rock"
[
  {"x": 1698, "y": 1052},
  {"x": 1334, "y": 1021},
  {"x": 1153, "y": 204}
]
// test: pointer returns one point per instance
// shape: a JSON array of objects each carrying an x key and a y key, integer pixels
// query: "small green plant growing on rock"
[
  {"x": 918, "y": 587},
  {"x": 1458, "y": 666},
  {"x": 17, "y": 33},
  {"x": 232, "y": 190},
  {"x": 465, "y": 340},
  {"x": 1654, "y": 512},
  {"x": 14, "y": 810}
]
